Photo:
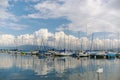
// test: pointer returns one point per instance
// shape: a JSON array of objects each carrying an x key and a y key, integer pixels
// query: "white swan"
[{"x": 100, "y": 70}]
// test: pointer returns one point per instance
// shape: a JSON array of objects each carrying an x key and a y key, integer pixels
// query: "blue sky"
[
  {"x": 27, "y": 16},
  {"x": 21, "y": 8},
  {"x": 24, "y": 20}
]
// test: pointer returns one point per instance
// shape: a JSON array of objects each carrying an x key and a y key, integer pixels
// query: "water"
[{"x": 26, "y": 67}]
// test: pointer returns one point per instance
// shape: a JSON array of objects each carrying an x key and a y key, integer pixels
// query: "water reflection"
[{"x": 65, "y": 68}]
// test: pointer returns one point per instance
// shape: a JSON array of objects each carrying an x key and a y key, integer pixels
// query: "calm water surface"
[{"x": 18, "y": 67}]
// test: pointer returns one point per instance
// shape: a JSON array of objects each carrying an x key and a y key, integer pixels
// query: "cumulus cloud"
[
  {"x": 96, "y": 15},
  {"x": 60, "y": 40},
  {"x": 84, "y": 15},
  {"x": 6, "y": 40}
]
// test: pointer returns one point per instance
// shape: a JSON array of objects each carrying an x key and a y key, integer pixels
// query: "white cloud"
[
  {"x": 96, "y": 15},
  {"x": 46, "y": 9},
  {"x": 4, "y": 3},
  {"x": 6, "y": 40},
  {"x": 114, "y": 4},
  {"x": 4, "y": 14},
  {"x": 16, "y": 26},
  {"x": 59, "y": 40},
  {"x": 12, "y": 25},
  {"x": 7, "y": 19},
  {"x": 84, "y": 15},
  {"x": 28, "y": 0},
  {"x": 42, "y": 33}
]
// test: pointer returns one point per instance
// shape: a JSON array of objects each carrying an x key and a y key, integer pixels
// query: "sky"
[
  {"x": 20, "y": 16},
  {"x": 28, "y": 18}
]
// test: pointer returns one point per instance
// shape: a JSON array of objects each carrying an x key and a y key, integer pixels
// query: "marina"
[
  {"x": 59, "y": 40},
  {"x": 63, "y": 53}
]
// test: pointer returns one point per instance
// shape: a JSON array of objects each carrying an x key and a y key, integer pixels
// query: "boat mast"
[
  {"x": 54, "y": 41},
  {"x": 64, "y": 42},
  {"x": 91, "y": 46},
  {"x": 118, "y": 41}
]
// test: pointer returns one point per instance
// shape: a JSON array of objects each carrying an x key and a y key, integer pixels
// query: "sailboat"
[
  {"x": 110, "y": 54},
  {"x": 82, "y": 53},
  {"x": 64, "y": 51}
]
